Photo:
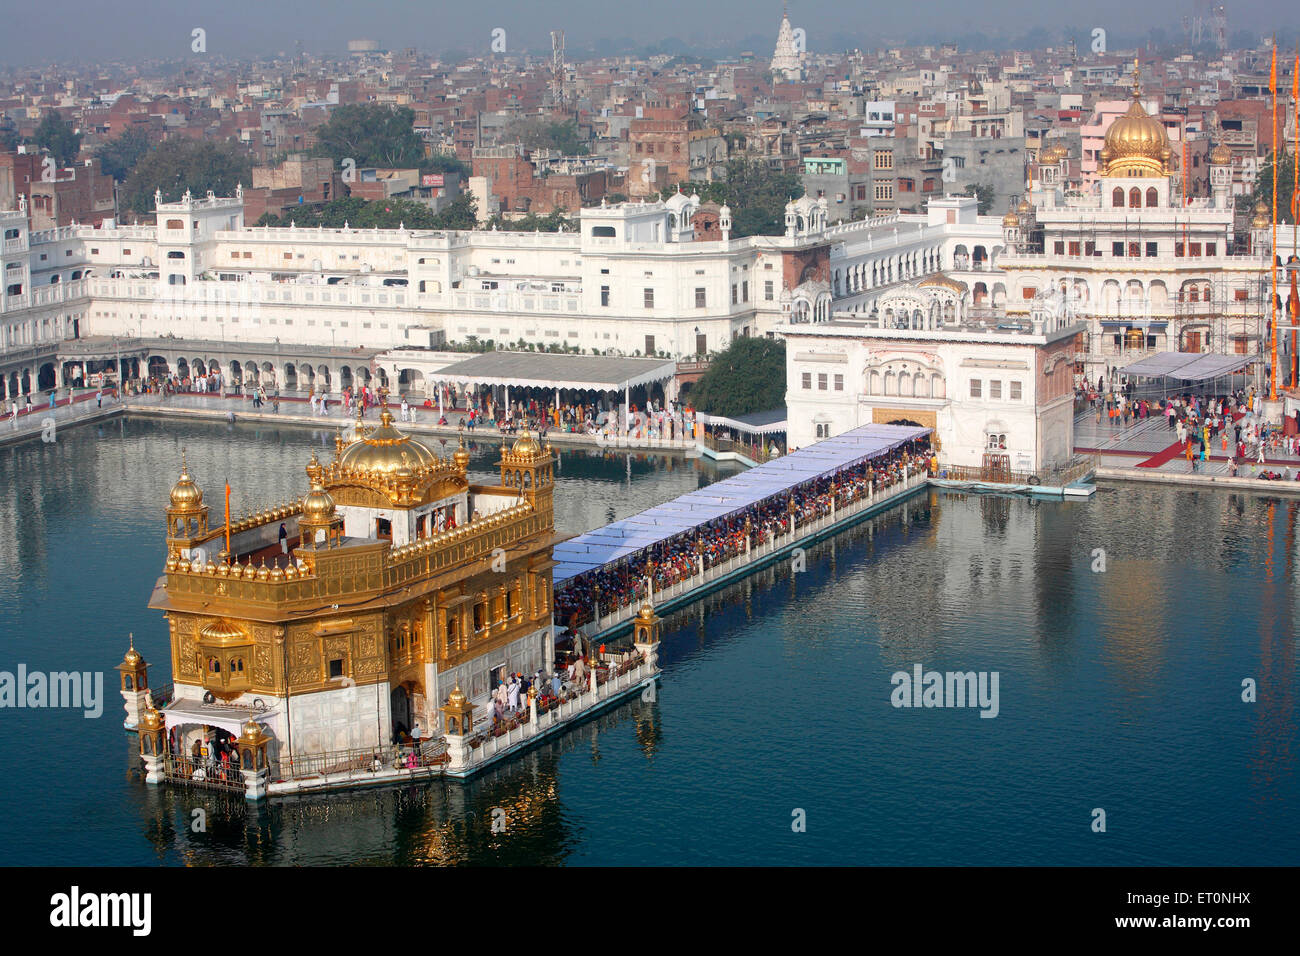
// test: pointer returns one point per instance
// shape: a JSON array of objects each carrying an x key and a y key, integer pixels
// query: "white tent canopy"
[
  {"x": 758, "y": 423},
  {"x": 630, "y": 536},
  {"x": 1187, "y": 366}
]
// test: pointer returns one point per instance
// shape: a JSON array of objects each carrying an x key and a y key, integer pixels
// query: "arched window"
[
  {"x": 1117, "y": 197},
  {"x": 1135, "y": 198},
  {"x": 1153, "y": 197}
]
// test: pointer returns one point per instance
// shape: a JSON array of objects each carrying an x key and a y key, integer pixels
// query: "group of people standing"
[{"x": 677, "y": 559}]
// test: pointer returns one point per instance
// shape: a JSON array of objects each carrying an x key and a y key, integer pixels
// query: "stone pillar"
[
  {"x": 153, "y": 737},
  {"x": 645, "y": 634},
  {"x": 252, "y": 760},
  {"x": 135, "y": 686},
  {"x": 459, "y": 750},
  {"x": 458, "y": 718}
]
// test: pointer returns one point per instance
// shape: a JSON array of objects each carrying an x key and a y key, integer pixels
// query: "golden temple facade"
[{"x": 345, "y": 619}]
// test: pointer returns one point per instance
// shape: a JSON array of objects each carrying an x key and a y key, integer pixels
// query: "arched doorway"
[
  {"x": 400, "y": 709},
  {"x": 46, "y": 378}
]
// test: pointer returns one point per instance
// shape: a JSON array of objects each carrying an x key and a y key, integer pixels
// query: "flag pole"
[
  {"x": 1272, "y": 302},
  {"x": 1295, "y": 212},
  {"x": 229, "y": 556}
]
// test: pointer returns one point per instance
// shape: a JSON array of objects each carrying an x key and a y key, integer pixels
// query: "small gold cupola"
[
  {"x": 527, "y": 467},
  {"x": 187, "y": 515}
]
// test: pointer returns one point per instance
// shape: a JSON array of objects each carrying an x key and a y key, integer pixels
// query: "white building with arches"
[{"x": 924, "y": 355}]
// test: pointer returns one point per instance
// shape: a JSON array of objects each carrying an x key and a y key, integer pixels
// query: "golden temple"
[{"x": 376, "y": 609}]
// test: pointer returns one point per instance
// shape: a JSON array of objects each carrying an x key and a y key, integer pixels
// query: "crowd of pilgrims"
[
  {"x": 675, "y": 560},
  {"x": 653, "y": 421}
]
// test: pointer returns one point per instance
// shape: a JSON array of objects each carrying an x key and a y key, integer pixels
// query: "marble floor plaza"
[{"x": 1141, "y": 440}]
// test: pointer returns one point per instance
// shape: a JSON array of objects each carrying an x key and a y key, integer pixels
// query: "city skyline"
[{"x": 162, "y": 32}]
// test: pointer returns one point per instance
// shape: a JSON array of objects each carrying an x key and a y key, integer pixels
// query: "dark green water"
[{"x": 1118, "y": 690}]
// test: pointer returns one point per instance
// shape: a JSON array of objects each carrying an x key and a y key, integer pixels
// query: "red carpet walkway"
[{"x": 1160, "y": 458}]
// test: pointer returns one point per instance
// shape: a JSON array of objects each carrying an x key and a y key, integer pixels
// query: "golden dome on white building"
[
  {"x": 385, "y": 450},
  {"x": 1136, "y": 143}
]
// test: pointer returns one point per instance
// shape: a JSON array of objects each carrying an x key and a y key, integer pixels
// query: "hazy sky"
[{"x": 36, "y": 33}]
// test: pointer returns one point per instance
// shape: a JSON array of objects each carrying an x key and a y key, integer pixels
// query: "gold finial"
[{"x": 1137, "y": 82}]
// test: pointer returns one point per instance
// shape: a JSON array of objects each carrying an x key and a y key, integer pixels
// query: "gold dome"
[
  {"x": 456, "y": 698},
  {"x": 1136, "y": 144},
  {"x": 526, "y": 445},
  {"x": 221, "y": 632},
  {"x": 941, "y": 281},
  {"x": 151, "y": 721},
  {"x": 647, "y": 612},
  {"x": 132, "y": 658},
  {"x": 462, "y": 455},
  {"x": 252, "y": 732},
  {"x": 1010, "y": 221},
  {"x": 318, "y": 507},
  {"x": 186, "y": 495},
  {"x": 1025, "y": 208},
  {"x": 1220, "y": 155},
  {"x": 380, "y": 450}
]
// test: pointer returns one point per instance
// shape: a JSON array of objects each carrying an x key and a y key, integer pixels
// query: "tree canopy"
[
  {"x": 749, "y": 376},
  {"x": 119, "y": 156},
  {"x": 535, "y": 223},
  {"x": 371, "y": 134},
  {"x": 756, "y": 193},
  {"x": 359, "y": 213},
  {"x": 57, "y": 136},
  {"x": 535, "y": 132},
  {"x": 442, "y": 163},
  {"x": 983, "y": 194},
  {"x": 1263, "y": 191},
  {"x": 180, "y": 164}
]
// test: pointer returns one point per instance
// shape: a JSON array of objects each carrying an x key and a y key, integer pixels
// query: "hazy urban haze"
[{"x": 83, "y": 30}]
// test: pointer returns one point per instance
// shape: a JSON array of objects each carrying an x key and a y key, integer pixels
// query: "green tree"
[
  {"x": 9, "y": 139},
  {"x": 443, "y": 163},
  {"x": 749, "y": 376},
  {"x": 359, "y": 213},
  {"x": 756, "y": 193},
  {"x": 57, "y": 136},
  {"x": 983, "y": 194},
  {"x": 180, "y": 164},
  {"x": 534, "y": 132},
  {"x": 552, "y": 222},
  {"x": 119, "y": 156},
  {"x": 1263, "y": 191},
  {"x": 371, "y": 134}
]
